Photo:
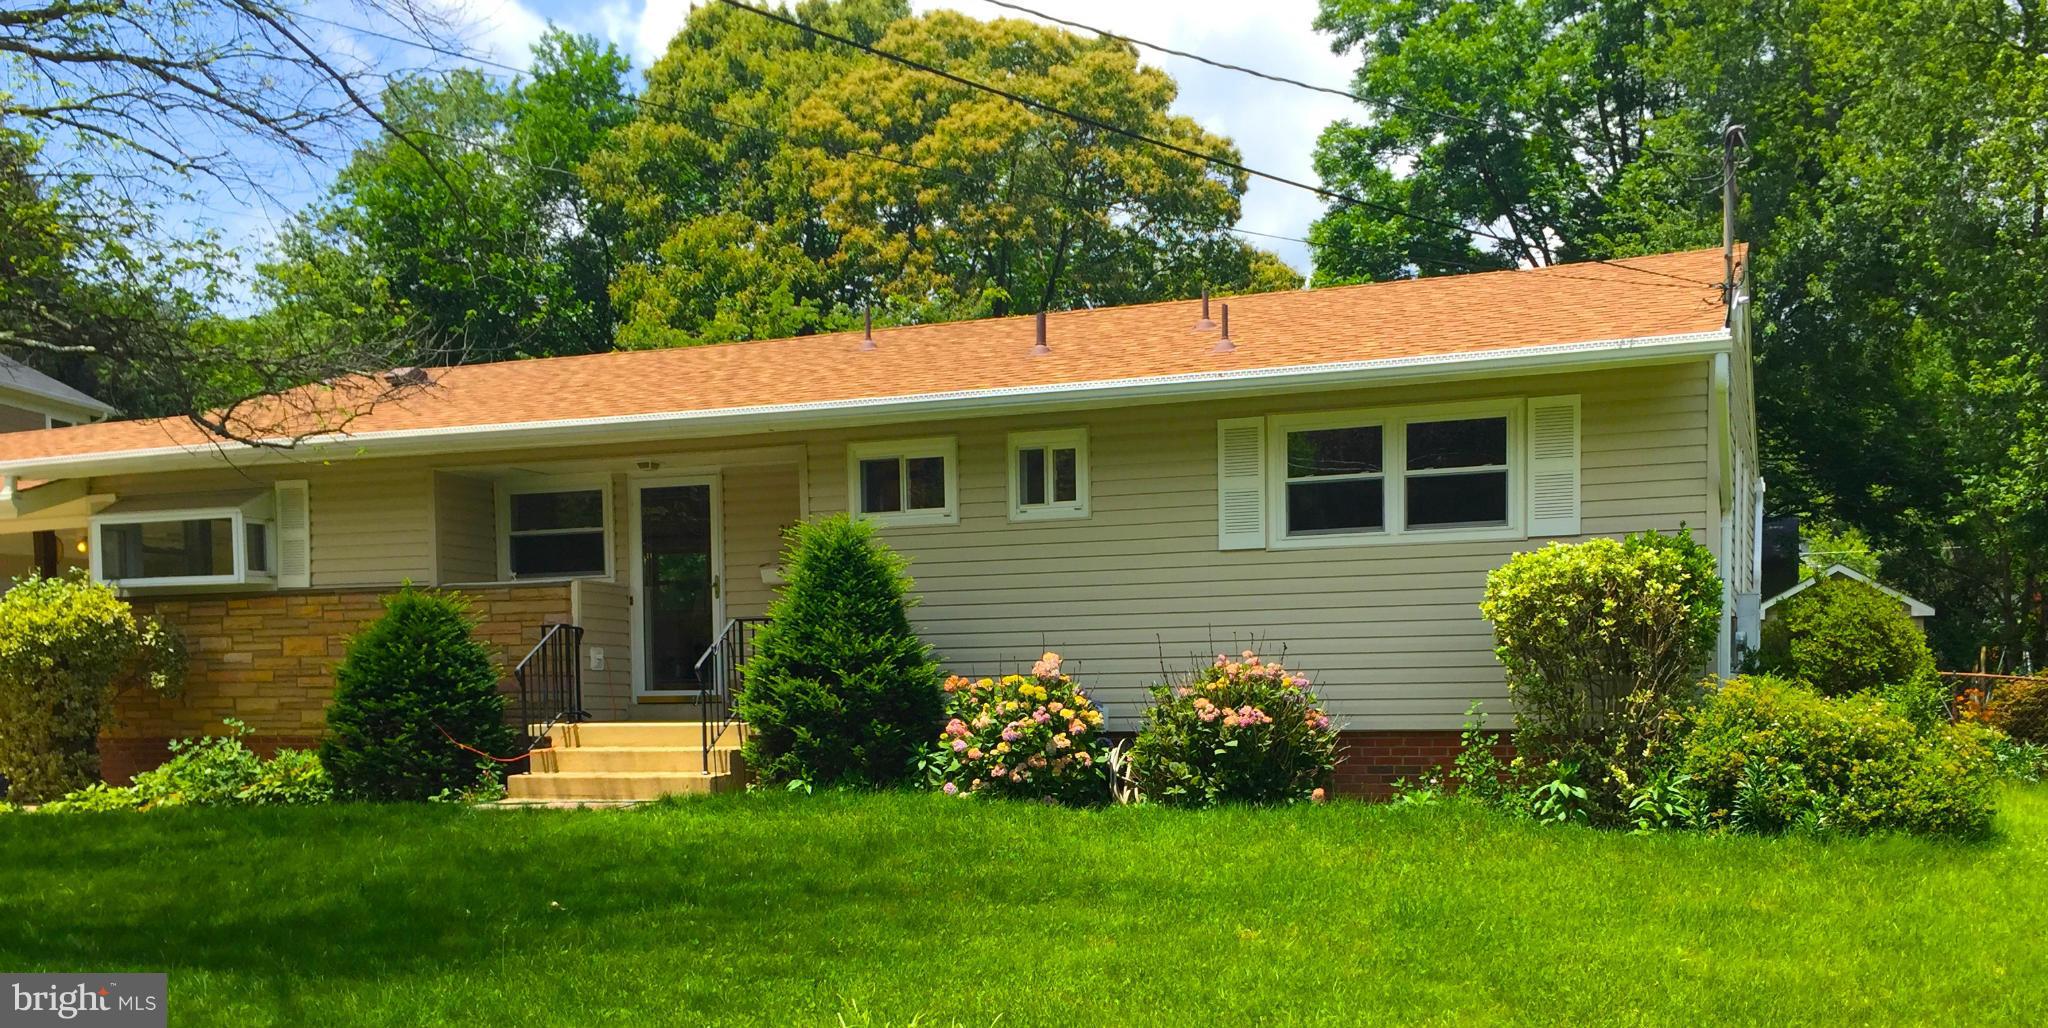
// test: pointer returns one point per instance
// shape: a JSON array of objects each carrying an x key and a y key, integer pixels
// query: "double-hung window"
[
  {"x": 1049, "y": 474},
  {"x": 556, "y": 529},
  {"x": 905, "y": 481},
  {"x": 1407, "y": 472}
]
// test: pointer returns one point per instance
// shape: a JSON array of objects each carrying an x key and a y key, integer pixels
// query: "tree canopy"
[{"x": 1893, "y": 191}]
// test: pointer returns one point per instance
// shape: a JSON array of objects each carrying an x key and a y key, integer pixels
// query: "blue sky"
[{"x": 1274, "y": 125}]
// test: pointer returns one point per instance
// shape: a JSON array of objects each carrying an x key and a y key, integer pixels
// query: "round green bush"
[
  {"x": 1602, "y": 641},
  {"x": 2020, "y": 710},
  {"x": 840, "y": 690},
  {"x": 1035, "y": 736},
  {"x": 67, "y": 645},
  {"x": 409, "y": 677},
  {"x": 1769, "y": 755},
  {"x": 1241, "y": 730},
  {"x": 1841, "y": 636}
]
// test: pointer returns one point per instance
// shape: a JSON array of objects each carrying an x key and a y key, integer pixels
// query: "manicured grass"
[{"x": 901, "y": 909}]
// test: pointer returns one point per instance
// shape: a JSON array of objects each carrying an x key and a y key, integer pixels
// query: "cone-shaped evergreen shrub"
[
  {"x": 839, "y": 690},
  {"x": 416, "y": 667}
]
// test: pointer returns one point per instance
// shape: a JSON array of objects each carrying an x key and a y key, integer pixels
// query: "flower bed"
[
  {"x": 1240, "y": 730},
  {"x": 1031, "y": 737}
]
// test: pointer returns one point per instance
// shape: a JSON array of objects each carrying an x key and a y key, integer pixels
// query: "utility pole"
[{"x": 1732, "y": 139}]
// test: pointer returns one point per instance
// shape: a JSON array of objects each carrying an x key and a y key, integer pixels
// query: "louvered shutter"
[
  {"x": 1241, "y": 484},
  {"x": 294, "y": 536},
  {"x": 1553, "y": 465}
]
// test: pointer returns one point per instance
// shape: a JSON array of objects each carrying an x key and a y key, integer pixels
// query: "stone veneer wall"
[{"x": 268, "y": 661}]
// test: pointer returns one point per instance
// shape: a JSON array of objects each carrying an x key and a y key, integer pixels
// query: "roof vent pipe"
[
  {"x": 1204, "y": 324},
  {"x": 867, "y": 339},
  {"x": 1039, "y": 349},
  {"x": 1224, "y": 345}
]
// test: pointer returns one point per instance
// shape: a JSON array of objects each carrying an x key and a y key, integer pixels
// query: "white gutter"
[{"x": 837, "y": 413}]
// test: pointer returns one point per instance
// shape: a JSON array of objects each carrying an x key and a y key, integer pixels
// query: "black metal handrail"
[
  {"x": 718, "y": 675},
  {"x": 551, "y": 682}
]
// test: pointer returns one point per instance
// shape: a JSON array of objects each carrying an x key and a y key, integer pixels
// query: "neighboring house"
[
  {"x": 30, "y": 401},
  {"x": 1915, "y": 609},
  {"x": 1333, "y": 480}
]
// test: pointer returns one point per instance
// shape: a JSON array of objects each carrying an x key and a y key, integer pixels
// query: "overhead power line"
[
  {"x": 1399, "y": 105},
  {"x": 1110, "y": 127}
]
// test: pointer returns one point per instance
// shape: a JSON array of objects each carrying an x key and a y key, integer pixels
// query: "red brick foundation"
[
  {"x": 1369, "y": 763},
  {"x": 268, "y": 661}
]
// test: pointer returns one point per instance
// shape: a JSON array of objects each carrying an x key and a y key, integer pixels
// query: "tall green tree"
[
  {"x": 775, "y": 182},
  {"x": 1893, "y": 190},
  {"x": 469, "y": 220}
]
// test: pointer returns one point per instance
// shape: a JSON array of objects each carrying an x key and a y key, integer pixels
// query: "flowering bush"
[
  {"x": 1242, "y": 730},
  {"x": 1036, "y": 737}
]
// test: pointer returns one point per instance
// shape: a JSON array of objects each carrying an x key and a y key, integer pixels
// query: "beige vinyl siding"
[
  {"x": 465, "y": 528},
  {"x": 759, "y": 502},
  {"x": 1390, "y": 632},
  {"x": 605, "y": 612},
  {"x": 372, "y": 523}
]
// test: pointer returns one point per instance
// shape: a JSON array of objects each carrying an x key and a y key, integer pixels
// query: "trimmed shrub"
[
  {"x": 407, "y": 678},
  {"x": 840, "y": 690},
  {"x": 1036, "y": 737},
  {"x": 1239, "y": 731},
  {"x": 1841, "y": 636},
  {"x": 1769, "y": 755},
  {"x": 1603, "y": 642},
  {"x": 212, "y": 771},
  {"x": 2020, "y": 710},
  {"x": 67, "y": 645}
]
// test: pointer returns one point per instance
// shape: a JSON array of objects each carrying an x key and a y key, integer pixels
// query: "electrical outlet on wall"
[{"x": 597, "y": 658}]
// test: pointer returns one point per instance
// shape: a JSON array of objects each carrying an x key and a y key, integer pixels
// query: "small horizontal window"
[
  {"x": 1392, "y": 473},
  {"x": 556, "y": 533},
  {"x": 909, "y": 482},
  {"x": 168, "y": 549},
  {"x": 1457, "y": 473},
  {"x": 1049, "y": 474},
  {"x": 1335, "y": 480}
]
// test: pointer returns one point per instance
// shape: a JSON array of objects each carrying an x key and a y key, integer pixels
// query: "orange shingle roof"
[{"x": 1669, "y": 294}]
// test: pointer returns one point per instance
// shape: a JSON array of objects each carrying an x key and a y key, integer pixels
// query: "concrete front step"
[
  {"x": 548, "y": 760},
  {"x": 676, "y": 734},
  {"x": 614, "y": 785}
]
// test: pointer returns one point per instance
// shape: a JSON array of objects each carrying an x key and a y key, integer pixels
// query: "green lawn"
[{"x": 914, "y": 909}]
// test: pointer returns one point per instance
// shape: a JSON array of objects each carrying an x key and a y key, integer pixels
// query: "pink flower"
[
  {"x": 956, "y": 727},
  {"x": 959, "y": 745},
  {"x": 951, "y": 789},
  {"x": 1010, "y": 734},
  {"x": 998, "y": 771},
  {"x": 974, "y": 754},
  {"x": 1040, "y": 716},
  {"x": 1076, "y": 728},
  {"x": 1048, "y": 666}
]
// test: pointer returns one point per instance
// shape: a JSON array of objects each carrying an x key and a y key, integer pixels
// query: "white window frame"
[
  {"x": 944, "y": 447},
  {"x": 239, "y": 519},
  {"x": 535, "y": 484},
  {"x": 1393, "y": 424},
  {"x": 1075, "y": 439}
]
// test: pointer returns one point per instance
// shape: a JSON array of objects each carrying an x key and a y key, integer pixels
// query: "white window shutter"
[
  {"x": 1241, "y": 484},
  {"x": 1553, "y": 465},
  {"x": 294, "y": 536}
]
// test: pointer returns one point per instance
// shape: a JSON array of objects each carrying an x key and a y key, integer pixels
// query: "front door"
[{"x": 676, "y": 580}]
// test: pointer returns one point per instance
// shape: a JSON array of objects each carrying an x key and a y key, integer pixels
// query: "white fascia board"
[{"x": 726, "y": 421}]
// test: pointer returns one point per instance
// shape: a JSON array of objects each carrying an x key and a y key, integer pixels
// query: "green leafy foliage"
[
  {"x": 1240, "y": 730},
  {"x": 2020, "y": 710},
  {"x": 748, "y": 214},
  {"x": 1770, "y": 755},
  {"x": 67, "y": 645},
  {"x": 1028, "y": 737},
  {"x": 1603, "y": 641},
  {"x": 1840, "y": 636},
  {"x": 412, "y": 675},
  {"x": 1822, "y": 546},
  {"x": 839, "y": 691},
  {"x": 211, "y": 771}
]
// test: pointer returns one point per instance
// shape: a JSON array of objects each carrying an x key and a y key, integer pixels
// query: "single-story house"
[
  {"x": 1324, "y": 474},
  {"x": 1914, "y": 609}
]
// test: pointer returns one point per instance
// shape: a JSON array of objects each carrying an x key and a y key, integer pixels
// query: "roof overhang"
[
  {"x": 47, "y": 506},
  {"x": 915, "y": 407},
  {"x": 1914, "y": 608}
]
